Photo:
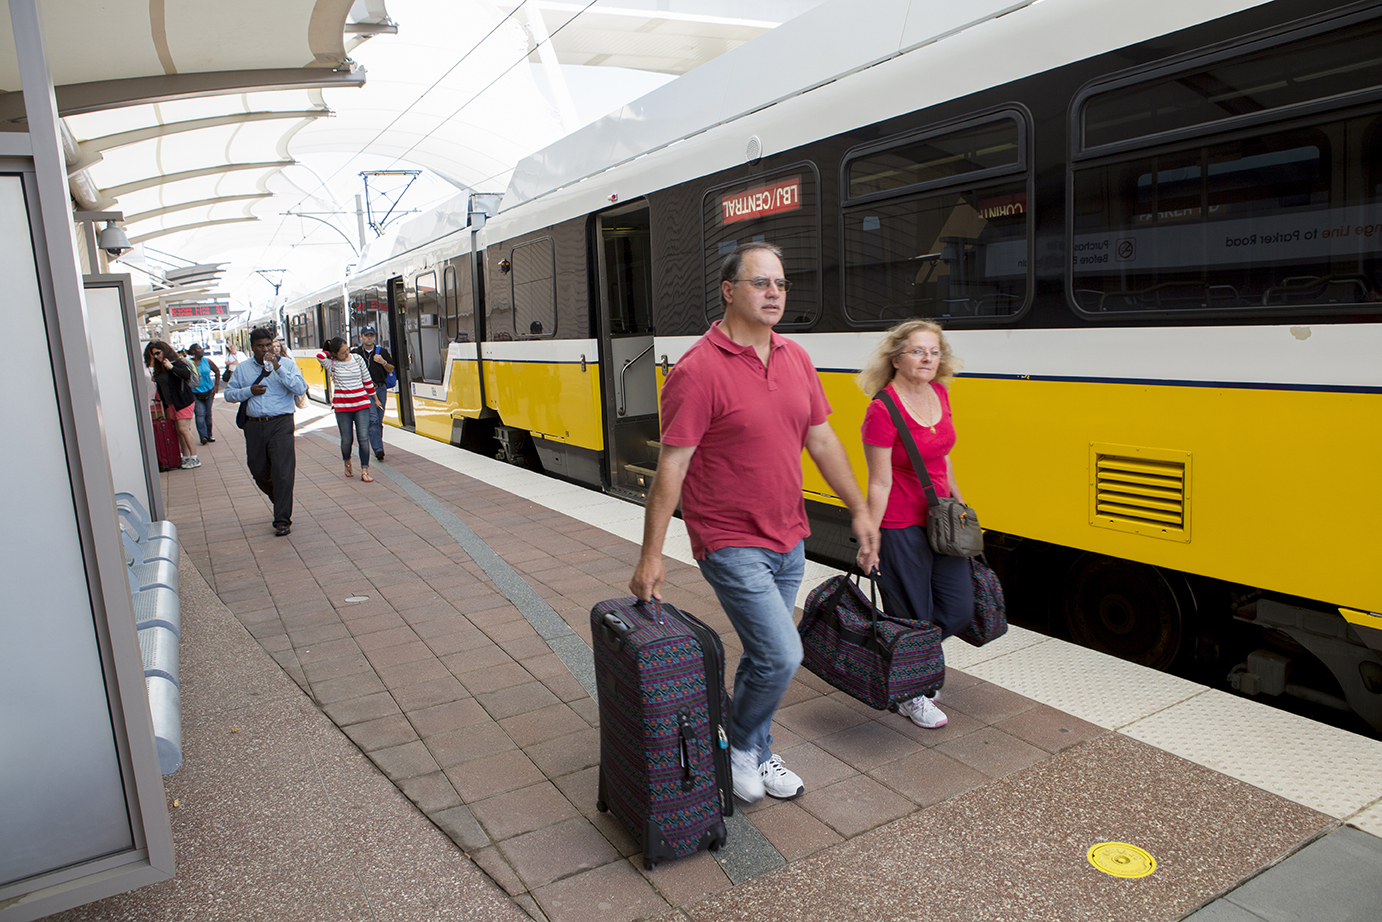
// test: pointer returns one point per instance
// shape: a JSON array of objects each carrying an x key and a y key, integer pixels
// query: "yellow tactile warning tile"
[{"x": 1331, "y": 770}]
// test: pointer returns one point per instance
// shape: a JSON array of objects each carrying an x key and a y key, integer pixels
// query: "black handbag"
[
  {"x": 952, "y": 528},
  {"x": 242, "y": 414}
]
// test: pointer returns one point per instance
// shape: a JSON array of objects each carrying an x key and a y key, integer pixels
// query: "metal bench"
[{"x": 150, "y": 572}]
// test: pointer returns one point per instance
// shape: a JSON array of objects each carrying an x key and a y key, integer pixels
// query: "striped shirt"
[{"x": 351, "y": 387}]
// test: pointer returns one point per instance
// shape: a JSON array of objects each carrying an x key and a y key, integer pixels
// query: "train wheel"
[{"x": 1123, "y": 608}]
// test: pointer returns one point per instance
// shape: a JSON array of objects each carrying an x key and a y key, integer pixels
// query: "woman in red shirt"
[
  {"x": 352, "y": 395},
  {"x": 913, "y": 363}
]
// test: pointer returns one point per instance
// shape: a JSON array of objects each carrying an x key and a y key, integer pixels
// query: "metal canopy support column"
[{"x": 86, "y": 803}]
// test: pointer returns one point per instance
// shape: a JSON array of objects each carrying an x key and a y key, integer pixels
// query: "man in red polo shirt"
[{"x": 737, "y": 410}]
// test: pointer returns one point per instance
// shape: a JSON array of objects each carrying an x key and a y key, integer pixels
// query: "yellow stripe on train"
[{"x": 1282, "y": 496}]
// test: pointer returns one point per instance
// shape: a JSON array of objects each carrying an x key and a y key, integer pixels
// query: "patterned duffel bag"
[{"x": 852, "y": 645}]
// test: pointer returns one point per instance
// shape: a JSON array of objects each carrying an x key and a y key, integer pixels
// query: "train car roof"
[{"x": 820, "y": 46}]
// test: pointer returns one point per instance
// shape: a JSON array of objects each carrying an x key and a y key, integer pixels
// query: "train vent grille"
[{"x": 1140, "y": 490}]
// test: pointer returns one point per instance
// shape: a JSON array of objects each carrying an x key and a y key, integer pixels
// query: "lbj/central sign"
[
  {"x": 765, "y": 200},
  {"x": 193, "y": 311}
]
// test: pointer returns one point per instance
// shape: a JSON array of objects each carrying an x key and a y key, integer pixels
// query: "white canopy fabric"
[{"x": 237, "y": 133}]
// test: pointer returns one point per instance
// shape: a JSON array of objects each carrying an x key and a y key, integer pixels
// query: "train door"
[
  {"x": 398, "y": 334},
  {"x": 623, "y": 241}
]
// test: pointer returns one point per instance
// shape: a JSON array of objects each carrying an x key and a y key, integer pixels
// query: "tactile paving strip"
[
  {"x": 1370, "y": 820},
  {"x": 966, "y": 656},
  {"x": 1101, "y": 689},
  {"x": 1325, "y": 768}
]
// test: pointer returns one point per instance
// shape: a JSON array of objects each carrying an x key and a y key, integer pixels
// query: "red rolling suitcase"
[
  {"x": 664, "y": 727},
  {"x": 166, "y": 445}
]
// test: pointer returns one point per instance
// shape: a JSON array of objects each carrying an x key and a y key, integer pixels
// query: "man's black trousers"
[{"x": 271, "y": 456}]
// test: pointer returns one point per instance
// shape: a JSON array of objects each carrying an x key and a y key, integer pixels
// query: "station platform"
[{"x": 388, "y": 714}]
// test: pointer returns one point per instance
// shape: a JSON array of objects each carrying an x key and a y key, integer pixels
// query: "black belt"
[{"x": 265, "y": 419}]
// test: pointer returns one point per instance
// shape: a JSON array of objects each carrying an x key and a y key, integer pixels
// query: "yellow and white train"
[{"x": 1152, "y": 231}]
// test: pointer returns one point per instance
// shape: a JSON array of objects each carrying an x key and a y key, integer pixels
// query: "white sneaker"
[
  {"x": 748, "y": 785},
  {"x": 778, "y": 781},
  {"x": 923, "y": 712}
]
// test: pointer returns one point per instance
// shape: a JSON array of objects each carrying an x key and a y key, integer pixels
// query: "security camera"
[{"x": 113, "y": 241}]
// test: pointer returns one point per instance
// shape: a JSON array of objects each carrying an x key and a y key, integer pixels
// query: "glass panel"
[
  {"x": 982, "y": 147},
  {"x": 783, "y": 210},
  {"x": 628, "y": 272},
  {"x": 1289, "y": 217},
  {"x": 427, "y": 342},
  {"x": 1327, "y": 65},
  {"x": 63, "y": 797},
  {"x": 949, "y": 254},
  {"x": 534, "y": 289}
]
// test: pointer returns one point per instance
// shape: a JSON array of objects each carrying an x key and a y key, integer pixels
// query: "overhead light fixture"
[{"x": 114, "y": 241}]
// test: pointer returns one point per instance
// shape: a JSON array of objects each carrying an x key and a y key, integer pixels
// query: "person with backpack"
[
  {"x": 204, "y": 388},
  {"x": 381, "y": 372}
]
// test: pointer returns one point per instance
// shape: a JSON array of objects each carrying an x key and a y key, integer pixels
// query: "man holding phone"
[{"x": 269, "y": 382}]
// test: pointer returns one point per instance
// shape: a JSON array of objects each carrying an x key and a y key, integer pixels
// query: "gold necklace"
[{"x": 919, "y": 417}]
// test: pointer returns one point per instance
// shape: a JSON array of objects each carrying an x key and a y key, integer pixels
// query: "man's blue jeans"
[
  {"x": 376, "y": 418},
  {"x": 758, "y": 590},
  {"x": 202, "y": 412}
]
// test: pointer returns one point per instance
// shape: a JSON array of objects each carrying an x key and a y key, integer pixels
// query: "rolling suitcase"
[
  {"x": 166, "y": 444},
  {"x": 664, "y": 727}
]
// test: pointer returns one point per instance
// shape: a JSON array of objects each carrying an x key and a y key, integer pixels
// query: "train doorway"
[
  {"x": 623, "y": 241},
  {"x": 402, "y": 353}
]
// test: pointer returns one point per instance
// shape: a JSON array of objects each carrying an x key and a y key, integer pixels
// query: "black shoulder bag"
[
  {"x": 243, "y": 413},
  {"x": 952, "y": 528}
]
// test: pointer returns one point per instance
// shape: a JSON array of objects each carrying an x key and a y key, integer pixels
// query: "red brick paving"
[{"x": 452, "y": 694}]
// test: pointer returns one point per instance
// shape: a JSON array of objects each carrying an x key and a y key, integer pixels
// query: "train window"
[
  {"x": 424, "y": 329},
  {"x": 963, "y": 155},
  {"x": 335, "y": 319},
  {"x": 1270, "y": 220},
  {"x": 534, "y": 276},
  {"x": 959, "y": 253},
  {"x": 1324, "y": 66},
  {"x": 781, "y": 208}
]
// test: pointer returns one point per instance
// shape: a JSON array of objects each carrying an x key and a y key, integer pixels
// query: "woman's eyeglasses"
[
  {"x": 762, "y": 284},
  {"x": 934, "y": 353}
]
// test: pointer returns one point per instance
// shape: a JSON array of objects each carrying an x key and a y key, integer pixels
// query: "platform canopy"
[{"x": 237, "y": 133}]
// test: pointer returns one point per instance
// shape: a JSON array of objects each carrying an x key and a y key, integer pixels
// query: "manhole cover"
[
  {"x": 1121, "y": 859},
  {"x": 357, "y": 598}
]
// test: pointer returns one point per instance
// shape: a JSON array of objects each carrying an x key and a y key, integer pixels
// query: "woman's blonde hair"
[{"x": 878, "y": 370}]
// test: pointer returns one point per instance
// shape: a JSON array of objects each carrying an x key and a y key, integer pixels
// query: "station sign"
[
  {"x": 194, "y": 311},
  {"x": 774, "y": 198}
]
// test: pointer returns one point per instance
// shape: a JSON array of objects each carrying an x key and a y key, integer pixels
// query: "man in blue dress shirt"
[{"x": 269, "y": 382}]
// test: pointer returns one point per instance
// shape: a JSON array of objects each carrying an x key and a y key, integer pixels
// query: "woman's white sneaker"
[
  {"x": 780, "y": 782},
  {"x": 923, "y": 712}
]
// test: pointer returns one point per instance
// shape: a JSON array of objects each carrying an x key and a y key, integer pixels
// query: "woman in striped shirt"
[{"x": 352, "y": 395}]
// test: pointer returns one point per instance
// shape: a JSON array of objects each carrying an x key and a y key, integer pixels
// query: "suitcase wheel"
[
  {"x": 721, "y": 836},
  {"x": 649, "y": 864},
  {"x": 601, "y": 806}
]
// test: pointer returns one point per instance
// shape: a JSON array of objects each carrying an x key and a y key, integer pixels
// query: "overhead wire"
[{"x": 459, "y": 61}]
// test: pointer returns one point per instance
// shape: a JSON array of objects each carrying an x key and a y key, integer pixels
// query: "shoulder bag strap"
[{"x": 904, "y": 432}]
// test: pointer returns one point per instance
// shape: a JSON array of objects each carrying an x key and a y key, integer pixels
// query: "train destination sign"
[
  {"x": 193, "y": 311},
  {"x": 764, "y": 200}
]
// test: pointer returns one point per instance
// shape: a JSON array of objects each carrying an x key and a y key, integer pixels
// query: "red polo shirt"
[{"x": 748, "y": 424}]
